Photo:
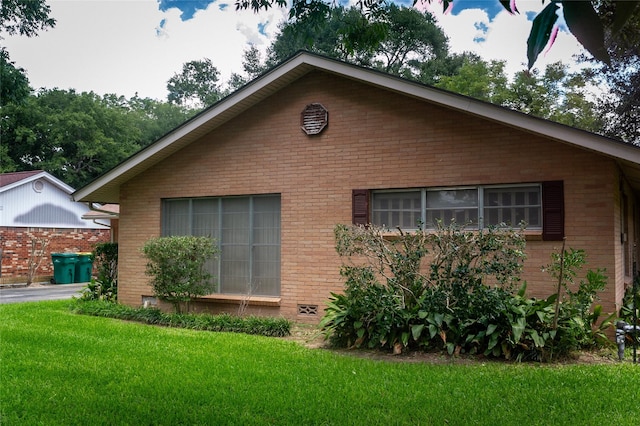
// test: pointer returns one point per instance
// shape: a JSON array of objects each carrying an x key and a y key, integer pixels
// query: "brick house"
[
  {"x": 36, "y": 207},
  {"x": 271, "y": 169}
]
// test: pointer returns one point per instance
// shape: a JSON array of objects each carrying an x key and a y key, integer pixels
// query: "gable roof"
[
  {"x": 106, "y": 189},
  {"x": 7, "y": 179},
  {"x": 11, "y": 180}
]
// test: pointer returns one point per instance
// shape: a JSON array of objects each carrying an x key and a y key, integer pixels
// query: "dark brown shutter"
[
  {"x": 360, "y": 206},
  {"x": 552, "y": 211}
]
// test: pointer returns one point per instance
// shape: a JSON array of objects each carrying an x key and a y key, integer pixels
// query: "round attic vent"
[
  {"x": 314, "y": 119},
  {"x": 38, "y": 185}
]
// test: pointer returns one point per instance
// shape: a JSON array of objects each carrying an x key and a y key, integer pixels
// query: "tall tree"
[
  {"x": 621, "y": 104},
  {"x": 252, "y": 65},
  {"x": 25, "y": 17},
  {"x": 401, "y": 44},
  {"x": 196, "y": 86},
  {"x": 79, "y": 136},
  {"x": 76, "y": 137},
  {"x": 479, "y": 79},
  {"x": 581, "y": 18},
  {"x": 14, "y": 84}
]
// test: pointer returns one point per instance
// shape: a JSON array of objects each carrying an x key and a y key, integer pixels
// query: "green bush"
[
  {"x": 466, "y": 301},
  {"x": 263, "y": 326},
  {"x": 177, "y": 268},
  {"x": 105, "y": 286}
]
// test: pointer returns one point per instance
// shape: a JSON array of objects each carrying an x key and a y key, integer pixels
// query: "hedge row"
[{"x": 263, "y": 326}]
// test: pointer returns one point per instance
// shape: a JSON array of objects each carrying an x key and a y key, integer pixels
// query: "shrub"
[
  {"x": 410, "y": 307},
  {"x": 177, "y": 268},
  {"x": 105, "y": 286},
  {"x": 274, "y": 327},
  {"x": 455, "y": 289}
]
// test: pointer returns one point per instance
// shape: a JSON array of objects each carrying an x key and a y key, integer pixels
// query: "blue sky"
[{"x": 134, "y": 46}]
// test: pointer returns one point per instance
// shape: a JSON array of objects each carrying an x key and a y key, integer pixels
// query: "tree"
[
  {"x": 412, "y": 38},
  {"x": 621, "y": 105},
  {"x": 196, "y": 86},
  {"x": 399, "y": 45},
  {"x": 79, "y": 136},
  {"x": 253, "y": 66},
  {"x": 479, "y": 79},
  {"x": 555, "y": 95},
  {"x": 581, "y": 18},
  {"x": 75, "y": 137},
  {"x": 14, "y": 84},
  {"x": 155, "y": 118},
  {"x": 346, "y": 35},
  {"x": 25, "y": 17}
]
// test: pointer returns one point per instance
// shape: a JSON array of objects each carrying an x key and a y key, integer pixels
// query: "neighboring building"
[
  {"x": 36, "y": 208},
  {"x": 271, "y": 169}
]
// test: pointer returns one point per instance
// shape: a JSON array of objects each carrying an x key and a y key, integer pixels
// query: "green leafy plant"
[
  {"x": 105, "y": 285},
  {"x": 453, "y": 289},
  {"x": 424, "y": 289},
  {"x": 263, "y": 326},
  {"x": 177, "y": 268}
]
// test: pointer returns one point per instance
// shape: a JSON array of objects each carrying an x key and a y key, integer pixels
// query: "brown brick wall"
[
  {"x": 16, "y": 247},
  {"x": 374, "y": 140}
]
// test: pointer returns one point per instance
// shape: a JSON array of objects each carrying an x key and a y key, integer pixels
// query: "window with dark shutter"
[
  {"x": 360, "y": 204},
  {"x": 553, "y": 211}
]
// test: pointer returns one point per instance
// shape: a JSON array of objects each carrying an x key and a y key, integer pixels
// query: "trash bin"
[
  {"x": 84, "y": 267},
  {"x": 64, "y": 267}
]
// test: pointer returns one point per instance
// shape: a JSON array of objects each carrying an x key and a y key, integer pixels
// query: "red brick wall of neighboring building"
[{"x": 16, "y": 246}]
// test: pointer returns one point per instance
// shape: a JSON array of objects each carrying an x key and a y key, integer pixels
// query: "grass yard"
[{"x": 57, "y": 367}]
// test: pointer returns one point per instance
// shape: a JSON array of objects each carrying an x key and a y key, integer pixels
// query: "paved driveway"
[{"x": 42, "y": 292}]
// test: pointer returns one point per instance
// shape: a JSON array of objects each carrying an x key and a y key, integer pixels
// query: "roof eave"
[{"x": 106, "y": 189}]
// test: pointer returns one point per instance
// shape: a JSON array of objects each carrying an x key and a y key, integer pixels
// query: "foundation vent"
[
  {"x": 308, "y": 310},
  {"x": 149, "y": 302}
]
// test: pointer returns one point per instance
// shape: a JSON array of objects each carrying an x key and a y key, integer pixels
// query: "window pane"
[
  {"x": 175, "y": 218},
  {"x": 449, "y": 205},
  {"x": 234, "y": 269},
  {"x": 235, "y": 221},
  {"x": 397, "y": 209},
  {"x": 512, "y": 206},
  {"x": 266, "y": 246},
  {"x": 205, "y": 217}
]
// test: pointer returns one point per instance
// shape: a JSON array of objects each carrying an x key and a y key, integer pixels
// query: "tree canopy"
[
  {"x": 196, "y": 85},
  {"x": 25, "y": 17},
  {"x": 581, "y": 17}
]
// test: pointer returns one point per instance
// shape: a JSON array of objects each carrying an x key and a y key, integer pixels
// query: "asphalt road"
[{"x": 33, "y": 294}]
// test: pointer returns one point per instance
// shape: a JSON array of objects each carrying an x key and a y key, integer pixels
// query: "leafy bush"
[
  {"x": 466, "y": 301},
  {"x": 105, "y": 286},
  {"x": 177, "y": 265},
  {"x": 267, "y": 326}
]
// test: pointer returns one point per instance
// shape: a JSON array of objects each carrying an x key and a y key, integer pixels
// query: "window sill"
[{"x": 239, "y": 298}]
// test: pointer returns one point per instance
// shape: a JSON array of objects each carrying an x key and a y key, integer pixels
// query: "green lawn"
[{"x": 57, "y": 367}]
